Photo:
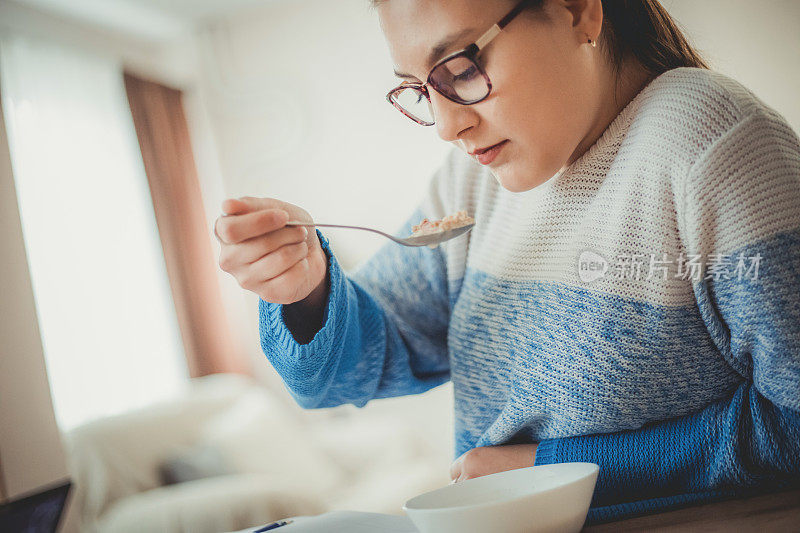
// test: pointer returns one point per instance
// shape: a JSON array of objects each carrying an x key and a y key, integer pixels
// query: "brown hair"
[
  {"x": 640, "y": 30},
  {"x": 643, "y": 30}
]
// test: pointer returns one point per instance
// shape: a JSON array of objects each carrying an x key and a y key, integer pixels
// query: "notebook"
[{"x": 345, "y": 522}]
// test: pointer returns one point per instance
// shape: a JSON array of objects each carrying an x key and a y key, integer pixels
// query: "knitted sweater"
[{"x": 639, "y": 310}]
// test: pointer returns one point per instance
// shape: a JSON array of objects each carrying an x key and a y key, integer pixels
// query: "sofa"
[{"x": 229, "y": 454}]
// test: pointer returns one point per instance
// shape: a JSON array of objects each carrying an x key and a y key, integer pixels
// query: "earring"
[{"x": 593, "y": 43}]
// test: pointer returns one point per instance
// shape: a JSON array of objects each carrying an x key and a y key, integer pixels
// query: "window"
[{"x": 106, "y": 316}]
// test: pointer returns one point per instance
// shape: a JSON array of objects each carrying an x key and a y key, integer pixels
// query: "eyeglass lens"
[
  {"x": 458, "y": 79},
  {"x": 415, "y": 104}
]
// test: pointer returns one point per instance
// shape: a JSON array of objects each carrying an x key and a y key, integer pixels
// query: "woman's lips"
[{"x": 487, "y": 156}]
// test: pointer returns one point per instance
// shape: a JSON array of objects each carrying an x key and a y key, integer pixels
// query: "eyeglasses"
[{"x": 458, "y": 77}]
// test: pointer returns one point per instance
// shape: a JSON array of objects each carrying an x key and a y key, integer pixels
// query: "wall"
[
  {"x": 290, "y": 104},
  {"x": 31, "y": 455},
  {"x": 756, "y": 43},
  {"x": 295, "y": 94},
  {"x": 163, "y": 59}
]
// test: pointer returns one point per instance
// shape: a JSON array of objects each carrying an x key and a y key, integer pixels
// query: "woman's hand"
[
  {"x": 281, "y": 264},
  {"x": 490, "y": 459}
]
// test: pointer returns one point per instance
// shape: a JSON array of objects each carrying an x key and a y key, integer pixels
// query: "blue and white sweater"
[{"x": 639, "y": 310}]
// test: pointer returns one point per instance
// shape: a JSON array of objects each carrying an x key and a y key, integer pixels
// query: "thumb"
[{"x": 455, "y": 469}]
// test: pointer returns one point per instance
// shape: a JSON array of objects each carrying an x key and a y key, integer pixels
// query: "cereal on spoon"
[{"x": 456, "y": 220}]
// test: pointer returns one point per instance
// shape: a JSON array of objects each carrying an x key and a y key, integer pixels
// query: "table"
[{"x": 767, "y": 513}]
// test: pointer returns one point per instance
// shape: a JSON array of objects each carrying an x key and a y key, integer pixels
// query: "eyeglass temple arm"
[
  {"x": 488, "y": 36},
  {"x": 494, "y": 30}
]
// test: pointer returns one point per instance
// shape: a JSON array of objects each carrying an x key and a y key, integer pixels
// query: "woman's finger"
[
  {"x": 235, "y": 206},
  {"x": 234, "y": 229},
  {"x": 252, "y": 250},
  {"x": 284, "y": 288},
  {"x": 276, "y": 263}
]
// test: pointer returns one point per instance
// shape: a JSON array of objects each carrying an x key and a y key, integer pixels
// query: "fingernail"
[{"x": 305, "y": 231}]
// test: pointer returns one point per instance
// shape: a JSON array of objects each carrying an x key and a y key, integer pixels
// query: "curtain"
[{"x": 169, "y": 163}]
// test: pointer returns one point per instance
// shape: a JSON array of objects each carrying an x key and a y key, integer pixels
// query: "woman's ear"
[{"x": 587, "y": 17}]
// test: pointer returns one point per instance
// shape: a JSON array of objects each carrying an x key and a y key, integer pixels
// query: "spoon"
[{"x": 429, "y": 239}]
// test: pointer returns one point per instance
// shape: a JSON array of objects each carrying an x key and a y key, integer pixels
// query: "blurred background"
[{"x": 127, "y": 123}]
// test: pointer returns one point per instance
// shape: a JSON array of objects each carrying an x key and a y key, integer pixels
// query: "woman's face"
[{"x": 545, "y": 100}]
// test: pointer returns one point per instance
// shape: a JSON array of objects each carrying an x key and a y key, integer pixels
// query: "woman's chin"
[{"x": 516, "y": 181}]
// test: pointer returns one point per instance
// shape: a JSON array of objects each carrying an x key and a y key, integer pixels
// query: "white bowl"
[{"x": 538, "y": 498}]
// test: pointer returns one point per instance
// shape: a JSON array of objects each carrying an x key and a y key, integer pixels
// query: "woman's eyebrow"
[
  {"x": 404, "y": 75},
  {"x": 438, "y": 51}
]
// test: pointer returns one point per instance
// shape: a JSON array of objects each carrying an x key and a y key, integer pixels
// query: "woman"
[{"x": 629, "y": 294}]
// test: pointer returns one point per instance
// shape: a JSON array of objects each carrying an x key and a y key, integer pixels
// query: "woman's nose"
[{"x": 451, "y": 118}]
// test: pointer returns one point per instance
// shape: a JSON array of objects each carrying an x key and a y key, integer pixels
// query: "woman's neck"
[{"x": 622, "y": 88}]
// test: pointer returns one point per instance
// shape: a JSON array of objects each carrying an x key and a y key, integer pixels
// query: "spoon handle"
[{"x": 312, "y": 224}]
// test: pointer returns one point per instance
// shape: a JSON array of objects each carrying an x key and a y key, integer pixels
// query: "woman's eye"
[{"x": 468, "y": 74}]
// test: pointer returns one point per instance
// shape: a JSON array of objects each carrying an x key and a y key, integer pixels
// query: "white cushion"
[
  {"x": 210, "y": 505},
  {"x": 115, "y": 457}
]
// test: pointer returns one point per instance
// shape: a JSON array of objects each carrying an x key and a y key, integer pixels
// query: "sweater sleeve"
[
  {"x": 384, "y": 330},
  {"x": 739, "y": 209}
]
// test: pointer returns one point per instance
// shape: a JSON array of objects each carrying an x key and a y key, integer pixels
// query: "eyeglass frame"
[{"x": 470, "y": 52}]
